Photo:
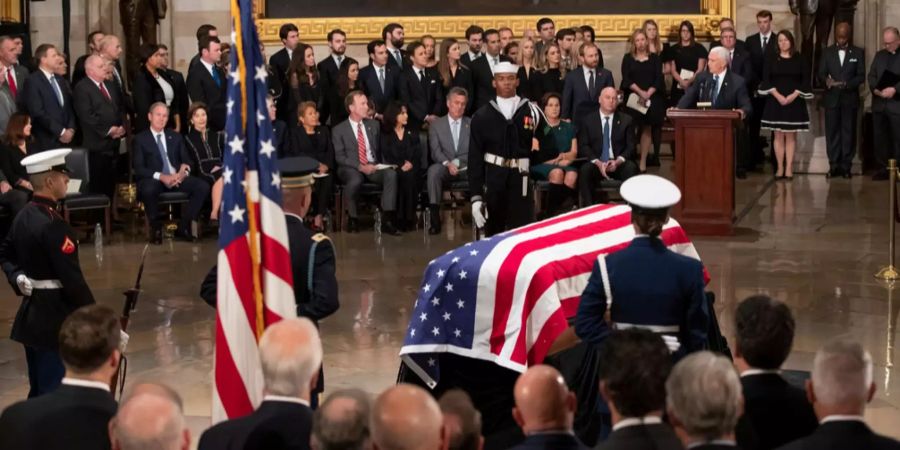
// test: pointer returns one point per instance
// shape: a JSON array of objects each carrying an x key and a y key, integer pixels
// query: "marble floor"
[{"x": 813, "y": 243}]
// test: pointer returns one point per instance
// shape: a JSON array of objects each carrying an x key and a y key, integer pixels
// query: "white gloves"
[
  {"x": 672, "y": 343},
  {"x": 24, "y": 284},
  {"x": 479, "y": 213},
  {"x": 123, "y": 341}
]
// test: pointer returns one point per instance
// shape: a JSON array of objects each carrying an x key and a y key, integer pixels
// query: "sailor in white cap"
[
  {"x": 646, "y": 285},
  {"x": 40, "y": 258},
  {"x": 502, "y": 138}
]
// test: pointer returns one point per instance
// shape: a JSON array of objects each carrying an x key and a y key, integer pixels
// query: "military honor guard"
[
  {"x": 842, "y": 71},
  {"x": 40, "y": 259},
  {"x": 502, "y": 138}
]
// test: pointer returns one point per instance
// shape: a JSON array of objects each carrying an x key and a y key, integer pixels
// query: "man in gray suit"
[
  {"x": 448, "y": 140},
  {"x": 358, "y": 157},
  {"x": 15, "y": 73},
  {"x": 7, "y": 103}
]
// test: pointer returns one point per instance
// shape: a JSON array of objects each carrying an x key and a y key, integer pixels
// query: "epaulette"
[{"x": 319, "y": 237}]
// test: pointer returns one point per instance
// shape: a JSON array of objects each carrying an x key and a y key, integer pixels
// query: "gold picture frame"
[{"x": 361, "y": 30}]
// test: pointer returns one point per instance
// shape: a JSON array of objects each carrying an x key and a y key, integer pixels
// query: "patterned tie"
[
  {"x": 104, "y": 91},
  {"x": 361, "y": 145},
  {"x": 381, "y": 78},
  {"x": 56, "y": 90},
  {"x": 11, "y": 80},
  {"x": 606, "y": 149},
  {"x": 167, "y": 166}
]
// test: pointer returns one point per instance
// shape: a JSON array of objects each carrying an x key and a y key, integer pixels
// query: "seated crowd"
[{"x": 650, "y": 399}]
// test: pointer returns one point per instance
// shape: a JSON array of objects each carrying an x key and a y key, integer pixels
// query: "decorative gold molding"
[
  {"x": 11, "y": 10},
  {"x": 608, "y": 27}
]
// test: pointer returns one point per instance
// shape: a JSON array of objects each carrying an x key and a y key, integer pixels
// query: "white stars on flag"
[
  {"x": 446, "y": 317},
  {"x": 460, "y": 304},
  {"x": 261, "y": 73},
  {"x": 237, "y": 214},
  {"x": 462, "y": 274},
  {"x": 456, "y": 332},
  {"x": 236, "y": 145},
  {"x": 435, "y": 331},
  {"x": 226, "y": 175},
  {"x": 449, "y": 287},
  {"x": 435, "y": 302},
  {"x": 423, "y": 317},
  {"x": 440, "y": 273},
  {"x": 266, "y": 148}
]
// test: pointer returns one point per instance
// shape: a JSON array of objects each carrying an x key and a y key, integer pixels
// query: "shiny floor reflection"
[{"x": 813, "y": 243}]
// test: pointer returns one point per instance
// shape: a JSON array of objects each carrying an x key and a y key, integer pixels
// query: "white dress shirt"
[
  {"x": 752, "y": 372},
  {"x": 355, "y": 126},
  {"x": 635, "y": 421},
  {"x": 612, "y": 148},
  {"x": 338, "y": 59},
  {"x": 420, "y": 72},
  {"x": 57, "y": 90},
  {"x": 842, "y": 418},
  {"x": 587, "y": 76},
  {"x": 508, "y": 106},
  {"x": 721, "y": 78},
  {"x": 455, "y": 127},
  {"x": 764, "y": 39},
  {"x": 474, "y": 56},
  {"x": 282, "y": 398},
  {"x": 209, "y": 68},
  {"x": 841, "y": 55},
  {"x": 290, "y": 53},
  {"x": 86, "y": 383},
  {"x": 492, "y": 61},
  {"x": 168, "y": 91}
]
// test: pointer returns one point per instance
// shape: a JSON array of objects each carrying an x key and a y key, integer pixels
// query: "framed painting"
[{"x": 362, "y": 20}]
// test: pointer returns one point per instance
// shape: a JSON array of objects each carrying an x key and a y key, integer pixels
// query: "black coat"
[
  {"x": 275, "y": 423},
  {"x": 576, "y": 99},
  {"x": 202, "y": 88},
  {"x": 732, "y": 94},
  {"x": 775, "y": 413},
  {"x": 491, "y": 132},
  {"x": 147, "y": 91},
  {"x": 11, "y": 162},
  {"x": 318, "y": 147},
  {"x": 404, "y": 57},
  {"x": 561, "y": 441},
  {"x": 642, "y": 437},
  {"x": 590, "y": 136},
  {"x": 78, "y": 72},
  {"x": 146, "y": 156},
  {"x": 884, "y": 61},
  {"x": 843, "y": 435},
  {"x": 853, "y": 72},
  {"x": 758, "y": 57},
  {"x": 97, "y": 114},
  {"x": 422, "y": 97},
  {"x": 279, "y": 63},
  {"x": 482, "y": 79},
  {"x": 71, "y": 418},
  {"x": 181, "y": 103},
  {"x": 205, "y": 154},
  {"x": 742, "y": 65},
  {"x": 48, "y": 117},
  {"x": 368, "y": 79}
]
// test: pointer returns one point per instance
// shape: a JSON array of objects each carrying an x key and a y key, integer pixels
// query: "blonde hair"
[{"x": 656, "y": 42}]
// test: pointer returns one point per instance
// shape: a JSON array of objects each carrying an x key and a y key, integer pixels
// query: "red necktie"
[
  {"x": 104, "y": 91},
  {"x": 361, "y": 145},
  {"x": 11, "y": 79}
]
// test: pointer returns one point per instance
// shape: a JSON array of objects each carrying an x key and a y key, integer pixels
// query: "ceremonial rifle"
[{"x": 131, "y": 298}]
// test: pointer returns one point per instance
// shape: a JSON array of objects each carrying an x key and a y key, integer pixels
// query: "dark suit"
[
  {"x": 404, "y": 58},
  {"x": 275, "y": 423},
  {"x": 642, "y": 437},
  {"x": 578, "y": 98},
  {"x": 147, "y": 161},
  {"x": 842, "y": 103},
  {"x": 71, "y": 418},
  {"x": 328, "y": 73},
  {"x": 467, "y": 59},
  {"x": 741, "y": 64},
  {"x": 759, "y": 57},
  {"x": 368, "y": 80},
  {"x": 423, "y": 96},
  {"x": 462, "y": 79},
  {"x": 48, "y": 117},
  {"x": 885, "y": 112},
  {"x": 280, "y": 61},
  {"x": 843, "y": 435},
  {"x": 78, "y": 72},
  {"x": 96, "y": 115},
  {"x": 482, "y": 79},
  {"x": 775, "y": 413},
  {"x": 181, "y": 103},
  {"x": 590, "y": 146},
  {"x": 550, "y": 441},
  {"x": 203, "y": 88},
  {"x": 147, "y": 91}
]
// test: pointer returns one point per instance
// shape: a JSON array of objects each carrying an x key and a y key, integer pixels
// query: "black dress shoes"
[
  {"x": 353, "y": 225},
  {"x": 435, "y": 219}
]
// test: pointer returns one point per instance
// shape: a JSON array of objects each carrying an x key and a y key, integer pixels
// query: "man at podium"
[{"x": 720, "y": 88}]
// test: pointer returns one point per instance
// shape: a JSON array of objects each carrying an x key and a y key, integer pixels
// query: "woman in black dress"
[
  {"x": 313, "y": 140},
  {"x": 552, "y": 73},
  {"x": 454, "y": 73},
  {"x": 205, "y": 147},
  {"x": 688, "y": 57},
  {"x": 303, "y": 83},
  {"x": 642, "y": 77},
  {"x": 347, "y": 80},
  {"x": 786, "y": 82},
  {"x": 529, "y": 79},
  {"x": 17, "y": 143},
  {"x": 400, "y": 147},
  {"x": 430, "y": 45}
]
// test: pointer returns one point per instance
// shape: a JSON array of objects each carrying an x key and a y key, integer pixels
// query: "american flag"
[
  {"x": 507, "y": 298},
  {"x": 255, "y": 286}
]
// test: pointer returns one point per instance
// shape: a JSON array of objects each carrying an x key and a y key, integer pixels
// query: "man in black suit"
[
  {"x": 203, "y": 30},
  {"x": 703, "y": 401},
  {"x": 775, "y": 412},
  {"x": 75, "y": 415},
  {"x": 48, "y": 99},
  {"x": 281, "y": 61},
  {"x": 101, "y": 116},
  {"x": 16, "y": 74},
  {"x": 208, "y": 83},
  {"x": 406, "y": 416},
  {"x": 840, "y": 387},
  {"x": 93, "y": 49},
  {"x": 546, "y": 34},
  {"x": 724, "y": 89},
  {"x": 290, "y": 353},
  {"x": 885, "y": 103},
  {"x": 740, "y": 57},
  {"x": 181, "y": 103},
  {"x": 606, "y": 140},
  {"x": 633, "y": 384},
  {"x": 762, "y": 46},
  {"x": 393, "y": 36},
  {"x": 151, "y": 416},
  {"x": 842, "y": 71},
  {"x": 380, "y": 81},
  {"x": 545, "y": 410},
  {"x": 474, "y": 39},
  {"x": 483, "y": 69},
  {"x": 582, "y": 87},
  {"x": 161, "y": 164},
  {"x": 342, "y": 422},
  {"x": 330, "y": 68},
  {"x": 420, "y": 89},
  {"x": 725, "y": 24}
]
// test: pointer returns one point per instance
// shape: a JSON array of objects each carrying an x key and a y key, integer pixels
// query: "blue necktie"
[
  {"x": 216, "y": 77},
  {"x": 715, "y": 90},
  {"x": 167, "y": 166},
  {"x": 56, "y": 90},
  {"x": 606, "y": 153}
]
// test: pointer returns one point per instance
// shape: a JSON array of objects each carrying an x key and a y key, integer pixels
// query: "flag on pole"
[{"x": 255, "y": 286}]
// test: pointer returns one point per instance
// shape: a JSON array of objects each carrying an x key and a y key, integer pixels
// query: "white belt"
[
  {"x": 653, "y": 328},
  {"x": 46, "y": 284},
  {"x": 513, "y": 163}
]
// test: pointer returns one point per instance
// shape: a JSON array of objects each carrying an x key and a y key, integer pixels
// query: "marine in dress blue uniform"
[
  {"x": 40, "y": 259},
  {"x": 646, "y": 284}
]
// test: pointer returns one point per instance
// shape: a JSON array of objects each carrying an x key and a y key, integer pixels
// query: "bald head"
[
  {"x": 405, "y": 417},
  {"x": 543, "y": 401},
  {"x": 149, "y": 422},
  {"x": 158, "y": 389},
  {"x": 842, "y": 33},
  {"x": 342, "y": 422},
  {"x": 290, "y": 353}
]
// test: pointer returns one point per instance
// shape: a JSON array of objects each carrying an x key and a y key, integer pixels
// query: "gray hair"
[
  {"x": 892, "y": 30},
  {"x": 148, "y": 422},
  {"x": 456, "y": 90},
  {"x": 704, "y": 393},
  {"x": 722, "y": 53},
  {"x": 158, "y": 105},
  {"x": 342, "y": 421},
  {"x": 842, "y": 373},
  {"x": 290, "y": 352}
]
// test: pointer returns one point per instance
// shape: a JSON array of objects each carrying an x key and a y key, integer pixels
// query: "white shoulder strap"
[{"x": 604, "y": 275}]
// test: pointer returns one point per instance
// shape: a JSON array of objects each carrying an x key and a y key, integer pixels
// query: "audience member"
[
  {"x": 314, "y": 140},
  {"x": 546, "y": 30},
  {"x": 474, "y": 41},
  {"x": 182, "y": 101},
  {"x": 565, "y": 39},
  {"x": 347, "y": 80},
  {"x": 643, "y": 81},
  {"x": 529, "y": 77},
  {"x": 511, "y": 50},
  {"x": 75, "y": 415},
  {"x": 430, "y": 50},
  {"x": 304, "y": 82},
  {"x": 206, "y": 147},
  {"x": 406, "y": 417},
  {"x": 552, "y": 74},
  {"x": 506, "y": 36},
  {"x": 400, "y": 147},
  {"x": 393, "y": 36},
  {"x": 483, "y": 69},
  {"x": 839, "y": 390},
  {"x": 207, "y": 83},
  {"x": 162, "y": 164},
  {"x": 453, "y": 73},
  {"x": 279, "y": 127},
  {"x": 205, "y": 30},
  {"x": 582, "y": 87},
  {"x": 281, "y": 61},
  {"x": 8, "y": 105},
  {"x": 48, "y": 98},
  {"x": 727, "y": 24},
  {"x": 93, "y": 42},
  {"x": 687, "y": 58},
  {"x": 588, "y": 34},
  {"x": 150, "y": 420},
  {"x": 448, "y": 142},
  {"x": 290, "y": 353},
  {"x": 545, "y": 410},
  {"x": 762, "y": 48},
  {"x": 556, "y": 154},
  {"x": 885, "y": 103},
  {"x": 633, "y": 372},
  {"x": 330, "y": 69},
  {"x": 462, "y": 422},
  {"x": 110, "y": 51},
  {"x": 420, "y": 89},
  {"x": 152, "y": 84},
  {"x": 775, "y": 412},
  {"x": 342, "y": 422},
  {"x": 606, "y": 139},
  {"x": 842, "y": 71},
  {"x": 16, "y": 74},
  {"x": 704, "y": 402},
  {"x": 740, "y": 56},
  {"x": 17, "y": 144},
  {"x": 654, "y": 44},
  {"x": 379, "y": 80}
]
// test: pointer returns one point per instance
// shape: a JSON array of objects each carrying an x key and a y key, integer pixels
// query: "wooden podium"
[{"x": 704, "y": 170}]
